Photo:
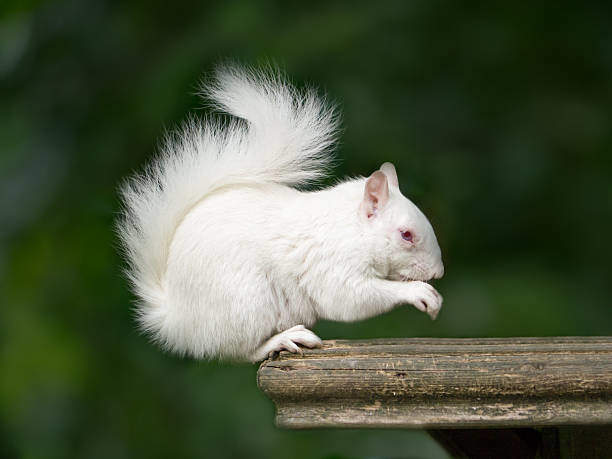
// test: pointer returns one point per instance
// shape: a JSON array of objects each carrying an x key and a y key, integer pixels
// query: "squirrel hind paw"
[{"x": 288, "y": 341}]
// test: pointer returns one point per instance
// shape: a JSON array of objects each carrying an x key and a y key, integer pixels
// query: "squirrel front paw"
[{"x": 425, "y": 298}]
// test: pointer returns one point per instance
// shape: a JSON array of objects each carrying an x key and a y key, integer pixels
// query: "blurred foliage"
[{"x": 498, "y": 118}]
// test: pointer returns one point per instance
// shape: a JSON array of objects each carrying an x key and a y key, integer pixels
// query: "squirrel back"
[{"x": 279, "y": 135}]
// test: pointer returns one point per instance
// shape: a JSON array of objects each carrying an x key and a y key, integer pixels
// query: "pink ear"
[
  {"x": 389, "y": 171},
  {"x": 376, "y": 193}
]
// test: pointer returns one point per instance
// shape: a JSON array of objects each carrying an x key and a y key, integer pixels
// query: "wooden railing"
[{"x": 528, "y": 396}]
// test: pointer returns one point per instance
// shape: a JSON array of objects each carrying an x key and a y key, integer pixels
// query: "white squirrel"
[{"x": 229, "y": 260}]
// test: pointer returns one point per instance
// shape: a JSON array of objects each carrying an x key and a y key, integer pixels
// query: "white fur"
[{"x": 229, "y": 260}]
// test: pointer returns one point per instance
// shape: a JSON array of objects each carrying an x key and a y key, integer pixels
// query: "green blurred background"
[{"x": 498, "y": 119}]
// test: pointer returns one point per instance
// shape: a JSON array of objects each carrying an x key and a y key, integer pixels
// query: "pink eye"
[{"x": 407, "y": 236}]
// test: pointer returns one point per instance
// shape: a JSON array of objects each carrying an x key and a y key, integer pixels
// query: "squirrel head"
[{"x": 405, "y": 245}]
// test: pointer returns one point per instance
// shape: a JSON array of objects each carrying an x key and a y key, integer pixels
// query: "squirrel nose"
[{"x": 440, "y": 272}]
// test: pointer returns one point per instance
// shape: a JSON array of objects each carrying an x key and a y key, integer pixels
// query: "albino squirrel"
[{"x": 230, "y": 260}]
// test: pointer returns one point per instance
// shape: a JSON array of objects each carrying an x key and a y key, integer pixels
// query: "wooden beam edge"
[{"x": 345, "y": 414}]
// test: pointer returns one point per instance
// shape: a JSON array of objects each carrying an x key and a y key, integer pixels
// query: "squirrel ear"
[
  {"x": 376, "y": 194},
  {"x": 389, "y": 170}
]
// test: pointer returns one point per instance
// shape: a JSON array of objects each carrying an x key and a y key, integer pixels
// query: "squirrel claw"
[
  {"x": 425, "y": 298},
  {"x": 288, "y": 341}
]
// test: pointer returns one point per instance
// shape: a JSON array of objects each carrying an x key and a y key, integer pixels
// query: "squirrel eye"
[{"x": 407, "y": 236}]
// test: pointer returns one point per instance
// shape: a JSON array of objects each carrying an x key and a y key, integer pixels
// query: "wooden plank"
[{"x": 443, "y": 383}]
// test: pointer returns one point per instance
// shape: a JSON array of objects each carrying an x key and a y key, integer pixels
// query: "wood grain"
[{"x": 443, "y": 383}]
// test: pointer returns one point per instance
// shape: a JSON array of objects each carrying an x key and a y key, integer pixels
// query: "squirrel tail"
[{"x": 279, "y": 135}]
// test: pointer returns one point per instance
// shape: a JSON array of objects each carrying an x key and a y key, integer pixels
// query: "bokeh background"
[{"x": 498, "y": 118}]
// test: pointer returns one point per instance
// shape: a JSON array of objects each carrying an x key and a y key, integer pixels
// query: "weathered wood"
[{"x": 443, "y": 383}]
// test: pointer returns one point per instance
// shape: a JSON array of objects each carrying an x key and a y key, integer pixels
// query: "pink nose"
[{"x": 439, "y": 273}]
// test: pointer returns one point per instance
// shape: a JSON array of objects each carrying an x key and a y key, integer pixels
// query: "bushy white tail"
[{"x": 287, "y": 139}]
